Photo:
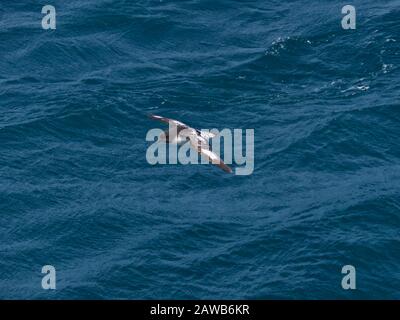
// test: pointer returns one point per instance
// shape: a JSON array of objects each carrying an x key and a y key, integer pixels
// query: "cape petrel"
[{"x": 179, "y": 133}]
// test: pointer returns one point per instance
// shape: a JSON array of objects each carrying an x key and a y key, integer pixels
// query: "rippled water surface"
[{"x": 77, "y": 193}]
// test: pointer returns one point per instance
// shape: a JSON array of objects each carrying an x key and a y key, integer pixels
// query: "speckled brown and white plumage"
[{"x": 180, "y": 133}]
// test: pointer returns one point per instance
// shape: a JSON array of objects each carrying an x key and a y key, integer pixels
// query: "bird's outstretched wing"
[
  {"x": 203, "y": 148},
  {"x": 206, "y": 134},
  {"x": 171, "y": 122}
]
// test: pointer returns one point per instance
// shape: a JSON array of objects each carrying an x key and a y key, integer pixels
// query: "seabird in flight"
[{"x": 180, "y": 133}]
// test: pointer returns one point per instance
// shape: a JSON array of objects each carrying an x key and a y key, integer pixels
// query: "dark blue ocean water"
[{"x": 77, "y": 193}]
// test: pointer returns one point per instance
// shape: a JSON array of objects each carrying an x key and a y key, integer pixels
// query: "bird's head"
[{"x": 164, "y": 137}]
